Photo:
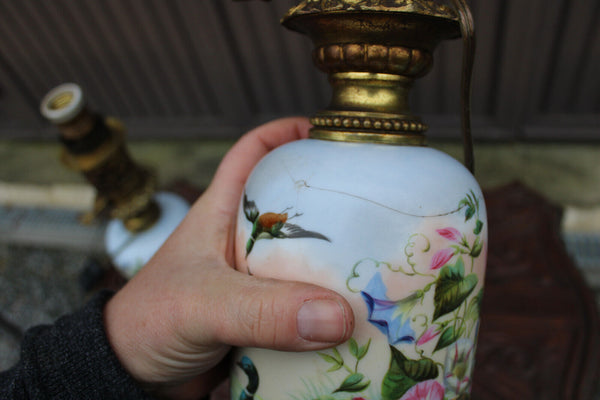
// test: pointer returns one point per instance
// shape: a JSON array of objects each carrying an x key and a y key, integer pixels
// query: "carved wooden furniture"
[{"x": 539, "y": 335}]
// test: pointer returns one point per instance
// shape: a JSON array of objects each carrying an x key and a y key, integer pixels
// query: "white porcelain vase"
[{"x": 401, "y": 233}]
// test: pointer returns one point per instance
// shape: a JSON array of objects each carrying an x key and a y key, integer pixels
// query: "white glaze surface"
[
  {"x": 374, "y": 220},
  {"x": 130, "y": 251}
]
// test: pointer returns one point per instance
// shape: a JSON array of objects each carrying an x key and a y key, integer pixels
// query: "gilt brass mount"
[
  {"x": 372, "y": 50},
  {"x": 95, "y": 146}
]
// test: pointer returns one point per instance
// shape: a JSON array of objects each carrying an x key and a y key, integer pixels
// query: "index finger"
[
  {"x": 224, "y": 193},
  {"x": 229, "y": 180}
]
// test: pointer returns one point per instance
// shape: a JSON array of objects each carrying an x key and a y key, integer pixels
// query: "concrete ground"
[{"x": 47, "y": 258}]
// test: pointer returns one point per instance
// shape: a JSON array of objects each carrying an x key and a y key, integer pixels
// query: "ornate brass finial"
[
  {"x": 95, "y": 146},
  {"x": 373, "y": 50}
]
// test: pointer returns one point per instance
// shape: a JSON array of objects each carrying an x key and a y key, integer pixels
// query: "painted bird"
[
  {"x": 273, "y": 225},
  {"x": 249, "y": 369}
]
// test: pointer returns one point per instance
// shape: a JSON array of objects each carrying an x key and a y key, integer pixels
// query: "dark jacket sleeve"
[{"x": 71, "y": 359}]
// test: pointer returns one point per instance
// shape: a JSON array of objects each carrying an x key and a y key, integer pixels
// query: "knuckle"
[{"x": 262, "y": 320}]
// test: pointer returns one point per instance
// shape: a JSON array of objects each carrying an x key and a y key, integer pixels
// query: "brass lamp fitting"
[
  {"x": 372, "y": 50},
  {"x": 95, "y": 146}
]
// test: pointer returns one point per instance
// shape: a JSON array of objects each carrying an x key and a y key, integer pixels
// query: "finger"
[
  {"x": 233, "y": 171},
  {"x": 218, "y": 206},
  {"x": 278, "y": 315},
  {"x": 247, "y": 152}
]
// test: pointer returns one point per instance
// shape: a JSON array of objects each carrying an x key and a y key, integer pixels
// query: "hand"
[{"x": 172, "y": 325}]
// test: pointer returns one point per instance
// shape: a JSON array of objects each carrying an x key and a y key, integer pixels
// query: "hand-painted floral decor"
[
  {"x": 389, "y": 316},
  {"x": 430, "y": 332}
]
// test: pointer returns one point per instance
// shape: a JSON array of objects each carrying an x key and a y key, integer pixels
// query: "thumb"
[{"x": 279, "y": 315}]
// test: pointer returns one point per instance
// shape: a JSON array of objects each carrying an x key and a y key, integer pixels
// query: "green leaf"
[
  {"x": 396, "y": 382},
  {"x": 448, "y": 337},
  {"x": 363, "y": 350},
  {"x": 469, "y": 213},
  {"x": 477, "y": 247},
  {"x": 476, "y": 199},
  {"x": 471, "y": 196},
  {"x": 457, "y": 270},
  {"x": 353, "y": 346},
  {"x": 337, "y": 355},
  {"x": 327, "y": 358},
  {"x": 335, "y": 368},
  {"x": 478, "y": 227},
  {"x": 337, "y": 363},
  {"x": 353, "y": 383},
  {"x": 421, "y": 370},
  {"x": 474, "y": 307},
  {"x": 463, "y": 203},
  {"x": 452, "y": 288},
  {"x": 404, "y": 373}
]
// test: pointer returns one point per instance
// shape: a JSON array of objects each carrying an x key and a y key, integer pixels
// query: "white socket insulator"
[{"x": 63, "y": 103}]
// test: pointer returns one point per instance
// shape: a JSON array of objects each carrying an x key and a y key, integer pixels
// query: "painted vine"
[{"x": 455, "y": 318}]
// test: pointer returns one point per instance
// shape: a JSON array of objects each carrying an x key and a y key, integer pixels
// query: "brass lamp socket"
[
  {"x": 95, "y": 146},
  {"x": 372, "y": 52}
]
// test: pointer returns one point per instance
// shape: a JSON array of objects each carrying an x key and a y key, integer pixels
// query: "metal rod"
[{"x": 467, "y": 29}]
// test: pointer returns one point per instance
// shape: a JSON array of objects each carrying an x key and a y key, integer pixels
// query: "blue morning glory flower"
[{"x": 389, "y": 316}]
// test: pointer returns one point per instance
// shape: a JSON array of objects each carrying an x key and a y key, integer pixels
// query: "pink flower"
[
  {"x": 450, "y": 234},
  {"x": 358, "y": 398},
  {"x": 440, "y": 258},
  {"x": 429, "y": 334},
  {"x": 427, "y": 390}
]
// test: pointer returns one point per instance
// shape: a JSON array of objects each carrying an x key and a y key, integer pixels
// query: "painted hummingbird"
[{"x": 273, "y": 225}]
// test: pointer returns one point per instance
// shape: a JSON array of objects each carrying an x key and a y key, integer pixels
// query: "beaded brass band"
[
  {"x": 354, "y": 127},
  {"x": 350, "y": 122}
]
